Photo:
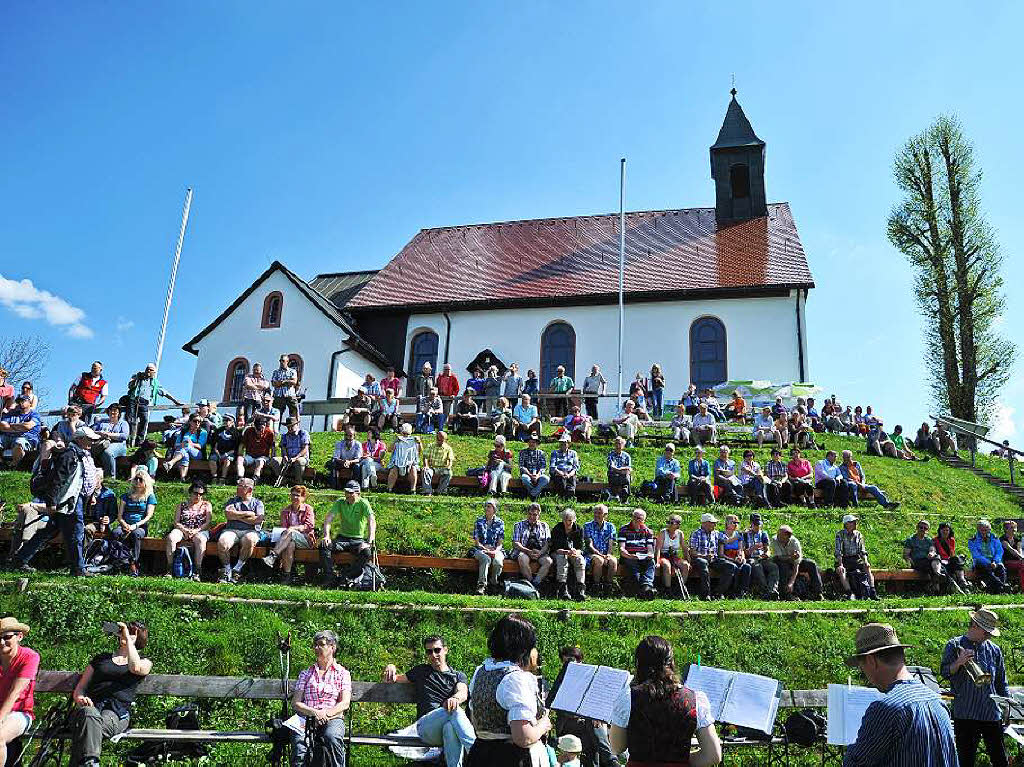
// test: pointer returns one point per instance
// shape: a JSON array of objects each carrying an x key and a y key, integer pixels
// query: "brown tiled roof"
[{"x": 669, "y": 254}]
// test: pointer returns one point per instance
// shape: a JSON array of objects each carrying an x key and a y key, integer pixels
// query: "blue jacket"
[
  {"x": 846, "y": 472},
  {"x": 974, "y": 545}
]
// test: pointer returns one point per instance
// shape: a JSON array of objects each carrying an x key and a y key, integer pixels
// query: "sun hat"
[
  {"x": 570, "y": 744},
  {"x": 986, "y": 620},
  {"x": 84, "y": 432},
  {"x": 849, "y": 518},
  {"x": 707, "y": 517},
  {"x": 10, "y": 623},
  {"x": 872, "y": 638}
]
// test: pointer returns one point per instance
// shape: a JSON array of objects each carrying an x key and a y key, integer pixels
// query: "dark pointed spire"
[{"x": 736, "y": 130}]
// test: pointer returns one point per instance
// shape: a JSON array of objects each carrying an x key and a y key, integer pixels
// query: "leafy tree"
[{"x": 941, "y": 230}]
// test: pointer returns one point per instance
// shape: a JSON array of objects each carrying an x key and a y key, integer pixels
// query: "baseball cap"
[{"x": 352, "y": 486}]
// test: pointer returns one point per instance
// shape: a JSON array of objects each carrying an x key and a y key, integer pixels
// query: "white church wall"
[{"x": 761, "y": 338}]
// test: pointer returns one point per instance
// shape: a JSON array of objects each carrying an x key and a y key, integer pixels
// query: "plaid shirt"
[
  {"x": 284, "y": 381},
  {"x": 324, "y": 690},
  {"x": 850, "y": 544},
  {"x": 523, "y": 531},
  {"x": 532, "y": 460},
  {"x": 600, "y": 536},
  {"x": 492, "y": 534},
  {"x": 565, "y": 460},
  {"x": 775, "y": 470},
  {"x": 619, "y": 460},
  {"x": 705, "y": 544},
  {"x": 439, "y": 456}
]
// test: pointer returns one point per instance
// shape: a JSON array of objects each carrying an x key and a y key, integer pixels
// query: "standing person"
[
  {"x": 440, "y": 693},
  {"x": 531, "y": 384},
  {"x": 113, "y": 442},
  {"x": 975, "y": 715},
  {"x": 321, "y": 697},
  {"x": 89, "y": 391},
  {"x": 488, "y": 539},
  {"x": 531, "y": 540},
  {"x": 657, "y": 391},
  {"x": 134, "y": 511},
  {"x": 244, "y": 514},
  {"x": 143, "y": 391},
  {"x": 852, "y": 559},
  {"x": 561, "y": 385},
  {"x": 390, "y": 383},
  {"x": 285, "y": 383},
  {"x": 567, "y": 546},
  {"x": 656, "y": 718},
  {"x": 424, "y": 381},
  {"x": 636, "y": 548},
  {"x": 254, "y": 388},
  {"x": 670, "y": 554},
  {"x": 18, "y": 668},
  {"x": 789, "y": 556},
  {"x": 192, "y": 526},
  {"x": 356, "y": 533},
  {"x": 439, "y": 459},
  {"x": 105, "y": 692},
  {"x": 598, "y": 536},
  {"x": 507, "y": 711},
  {"x": 909, "y": 726},
  {"x": 447, "y": 383},
  {"x": 987, "y": 552},
  {"x": 492, "y": 389},
  {"x": 512, "y": 383},
  {"x": 594, "y": 386},
  {"x": 582, "y": 742},
  {"x": 298, "y": 531},
  {"x": 699, "y": 485}
]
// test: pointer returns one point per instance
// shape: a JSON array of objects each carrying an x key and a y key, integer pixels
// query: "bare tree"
[
  {"x": 24, "y": 358},
  {"x": 940, "y": 228}
]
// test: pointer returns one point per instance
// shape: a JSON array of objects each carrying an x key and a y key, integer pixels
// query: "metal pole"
[
  {"x": 174, "y": 274},
  {"x": 622, "y": 265}
]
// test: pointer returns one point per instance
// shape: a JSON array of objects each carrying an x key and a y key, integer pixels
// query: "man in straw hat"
[
  {"x": 975, "y": 714},
  {"x": 909, "y": 727},
  {"x": 18, "y": 667}
]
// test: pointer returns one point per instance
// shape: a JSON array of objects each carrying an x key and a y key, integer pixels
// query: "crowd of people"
[{"x": 655, "y": 718}]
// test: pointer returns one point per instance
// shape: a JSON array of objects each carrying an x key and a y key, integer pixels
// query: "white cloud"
[
  {"x": 30, "y": 303},
  {"x": 1003, "y": 426},
  {"x": 122, "y": 326}
]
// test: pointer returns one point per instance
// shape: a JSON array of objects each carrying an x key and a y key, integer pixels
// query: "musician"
[{"x": 975, "y": 714}]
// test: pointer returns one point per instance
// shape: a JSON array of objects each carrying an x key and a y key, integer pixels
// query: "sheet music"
[
  {"x": 296, "y": 723},
  {"x": 753, "y": 702},
  {"x": 275, "y": 534},
  {"x": 574, "y": 686},
  {"x": 713, "y": 682},
  {"x": 846, "y": 707},
  {"x": 604, "y": 690}
]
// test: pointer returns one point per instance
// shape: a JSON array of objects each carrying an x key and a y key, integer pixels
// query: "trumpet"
[{"x": 977, "y": 674}]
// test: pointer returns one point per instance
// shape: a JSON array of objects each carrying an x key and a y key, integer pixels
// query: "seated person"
[
  {"x": 257, "y": 448},
  {"x": 567, "y": 547},
  {"x": 856, "y": 481},
  {"x": 244, "y": 527},
  {"x": 224, "y": 444},
  {"x": 813, "y": 416},
  {"x": 847, "y": 422},
  {"x": 430, "y": 413},
  {"x": 636, "y": 549},
  {"x": 598, "y": 537},
  {"x": 919, "y": 552},
  {"x": 705, "y": 427},
  {"x": 620, "y": 470},
  {"x": 829, "y": 479},
  {"x": 355, "y": 534},
  {"x": 800, "y": 432},
  {"x": 145, "y": 456},
  {"x": 267, "y": 412},
  {"x": 373, "y": 390},
  {"x": 533, "y": 468},
  {"x": 439, "y": 460},
  {"x": 19, "y": 430},
  {"x": 189, "y": 445},
  {"x": 944, "y": 442},
  {"x": 680, "y": 425},
  {"x": 987, "y": 552},
  {"x": 903, "y": 446},
  {"x": 690, "y": 400},
  {"x": 577, "y": 425},
  {"x": 372, "y": 462},
  {"x": 878, "y": 442},
  {"x": 730, "y": 488},
  {"x": 705, "y": 560},
  {"x": 321, "y": 698},
  {"x": 757, "y": 551},
  {"x": 359, "y": 408},
  {"x": 440, "y": 693},
  {"x": 789, "y": 557},
  {"x": 502, "y": 421},
  {"x": 19, "y": 666},
  {"x": 174, "y": 426},
  {"x": 105, "y": 692},
  {"x": 737, "y": 408},
  {"x": 667, "y": 473},
  {"x": 191, "y": 526},
  {"x": 527, "y": 419},
  {"x": 63, "y": 432},
  {"x": 778, "y": 408},
  {"x": 783, "y": 428},
  {"x": 530, "y": 544},
  {"x": 731, "y": 547},
  {"x": 700, "y": 483},
  {"x": 672, "y": 556},
  {"x": 852, "y": 560},
  {"x": 113, "y": 444},
  {"x": 714, "y": 408},
  {"x": 801, "y": 478},
  {"x": 776, "y": 481},
  {"x": 752, "y": 480},
  {"x": 764, "y": 428},
  {"x": 134, "y": 511},
  {"x": 565, "y": 465},
  {"x": 294, "y": 456},
  {"x": 488, "y": 543},
  {"x": 99, "y": 511},
  {"x": 466, "y": 420},
  {"x": 859, "y": 425},
  {"x": 347, "y": 458},
  {"x": 954, "y": 564},
  {"x": 405, "y": 459},
  {"x": 387, "y": 415},
  {"x": 1013, "y": 551},
  {"x": 627, "y": 425},
  {"x": 298, "y": 531}
]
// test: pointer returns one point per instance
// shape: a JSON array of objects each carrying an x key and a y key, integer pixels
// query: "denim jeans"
[
  {"x": 535, "y": 487},
  {"x": 334, "y": 745},
  {"x": 642, "y": 570},
  {"x": 72, "y": 530},
  {"x": 452, "y": 731},
  {"x": 138, "y": 420},
  {"x": 657, "y": 399},
  {"x": 109, "y": 456}
]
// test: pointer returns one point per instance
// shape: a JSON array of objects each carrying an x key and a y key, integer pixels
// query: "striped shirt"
[
  {"x": 970, "y": 702},
  {"x": 909, "y": 727}
]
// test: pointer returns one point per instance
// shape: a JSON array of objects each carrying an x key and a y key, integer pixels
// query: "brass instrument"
[{"x": 977, "y": 674}]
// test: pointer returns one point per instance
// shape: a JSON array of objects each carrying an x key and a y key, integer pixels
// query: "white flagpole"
[
  {"x": 622, "y": 266},
  {"x": 174, "y": 274}
]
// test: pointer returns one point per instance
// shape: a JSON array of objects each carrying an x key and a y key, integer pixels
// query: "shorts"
[
  {"x": 301, "y": 541},
  {"x": 204, "y": 535},
  {"x": 8, "y": 441},
  {"x": 240, "y": 532},
  {"x": 249, "y": 460},
  {"x": 229, "y": 456},
  {"x": 23, "y": 718},
  {"x": 289, "y": 401},
  {"x": 402, "y": 470}
]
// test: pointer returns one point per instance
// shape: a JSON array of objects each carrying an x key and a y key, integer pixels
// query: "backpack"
[
  {"x": 107, "y": 556},
  {"x": 181, "y": 567},
  {"x": 520, "y": 589},
  {"x": 58, "y": 481},
  {"x": 182, "y": 718},
  {"x": 370, "y": 579},
  {"x": 805, "y": 728}
]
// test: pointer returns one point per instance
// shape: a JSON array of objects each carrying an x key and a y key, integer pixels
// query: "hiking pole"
[{"x": 287, "y": 464}]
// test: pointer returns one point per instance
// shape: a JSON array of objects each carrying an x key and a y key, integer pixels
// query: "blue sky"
[{"x": 326, "y": 135}]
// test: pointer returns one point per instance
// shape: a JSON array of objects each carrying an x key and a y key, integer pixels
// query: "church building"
[{"x": 711, "y": 294}]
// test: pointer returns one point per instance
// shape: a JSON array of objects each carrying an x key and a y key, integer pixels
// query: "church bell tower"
[{"x": 737, "y": 167}]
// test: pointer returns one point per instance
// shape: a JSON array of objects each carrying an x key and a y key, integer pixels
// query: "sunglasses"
[
  {"x": 322, "y": 643},
  {"x": 8, "y": 637},
  {"x": 138, "y": 479},
  {"x": 434, "y": 650}
]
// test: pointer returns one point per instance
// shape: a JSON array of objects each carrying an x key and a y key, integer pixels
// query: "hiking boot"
[
  {"x": 581, "y": 595},
  {"x": 225, "y": 576},
  {"x": 133, "y": 570},
  {"x": 270, "y": 559},
  {"x": 287, "y": 578},
  {"x": 563, "y": 591},
  {"x": 481, "y": 588}
]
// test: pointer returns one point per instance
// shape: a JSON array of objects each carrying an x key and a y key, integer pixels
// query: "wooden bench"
[{"x": 202, "y": 468}]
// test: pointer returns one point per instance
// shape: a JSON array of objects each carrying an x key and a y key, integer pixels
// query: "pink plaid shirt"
[{"x": 323, "y": 690}]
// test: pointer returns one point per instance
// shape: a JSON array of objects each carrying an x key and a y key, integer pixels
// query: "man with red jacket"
[{"x": 89, "y": 391}]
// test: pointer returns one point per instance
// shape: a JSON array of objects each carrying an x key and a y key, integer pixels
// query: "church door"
[{"x": 708, "y": 366}]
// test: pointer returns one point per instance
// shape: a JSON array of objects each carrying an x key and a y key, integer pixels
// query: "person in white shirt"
[
  {"x": 704, "y": 426},
  {"x": 764, "y": 428}
]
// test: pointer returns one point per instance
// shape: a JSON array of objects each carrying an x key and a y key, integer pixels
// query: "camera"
[{"x": 109, "y": 627}]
